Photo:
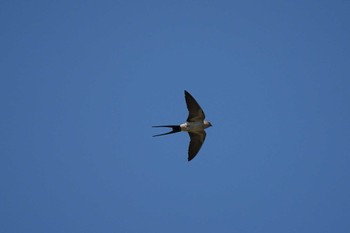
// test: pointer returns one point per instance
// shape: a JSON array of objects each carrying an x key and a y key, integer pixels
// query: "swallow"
[{"x": 194, "y": 125}]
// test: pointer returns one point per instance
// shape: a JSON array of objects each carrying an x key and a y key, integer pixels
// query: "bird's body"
[{"x": 194, "y": 125}]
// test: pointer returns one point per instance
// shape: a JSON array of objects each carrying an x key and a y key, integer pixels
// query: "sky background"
[{"x": 82, "y": 82}]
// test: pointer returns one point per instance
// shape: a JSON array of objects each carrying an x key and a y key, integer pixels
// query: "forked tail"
[{"x": 176, "y": 129}]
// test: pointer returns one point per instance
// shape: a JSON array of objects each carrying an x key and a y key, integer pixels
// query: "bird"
[{"x": 194, "y": 125}]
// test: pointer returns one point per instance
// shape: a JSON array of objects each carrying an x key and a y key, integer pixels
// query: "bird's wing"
[
  {"x": 197, "y": 140},
  {"x": 195, "y": 112}
]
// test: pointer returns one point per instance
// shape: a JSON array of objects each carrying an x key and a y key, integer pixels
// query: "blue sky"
[{"x": 82, "y": 82}]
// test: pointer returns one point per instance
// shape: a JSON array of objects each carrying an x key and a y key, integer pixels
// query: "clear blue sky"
[{"x": 82, "y": 82}]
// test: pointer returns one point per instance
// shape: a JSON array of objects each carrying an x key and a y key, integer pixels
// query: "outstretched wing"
[
  {"x": 197, "y": 140},
  {"x": 195, "y": 112}
]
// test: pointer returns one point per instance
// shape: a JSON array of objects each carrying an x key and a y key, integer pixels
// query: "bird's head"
[{"x": 207, "y": 124}]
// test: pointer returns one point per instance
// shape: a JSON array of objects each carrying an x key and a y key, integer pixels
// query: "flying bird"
[{"x": 194, "y": 125}]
